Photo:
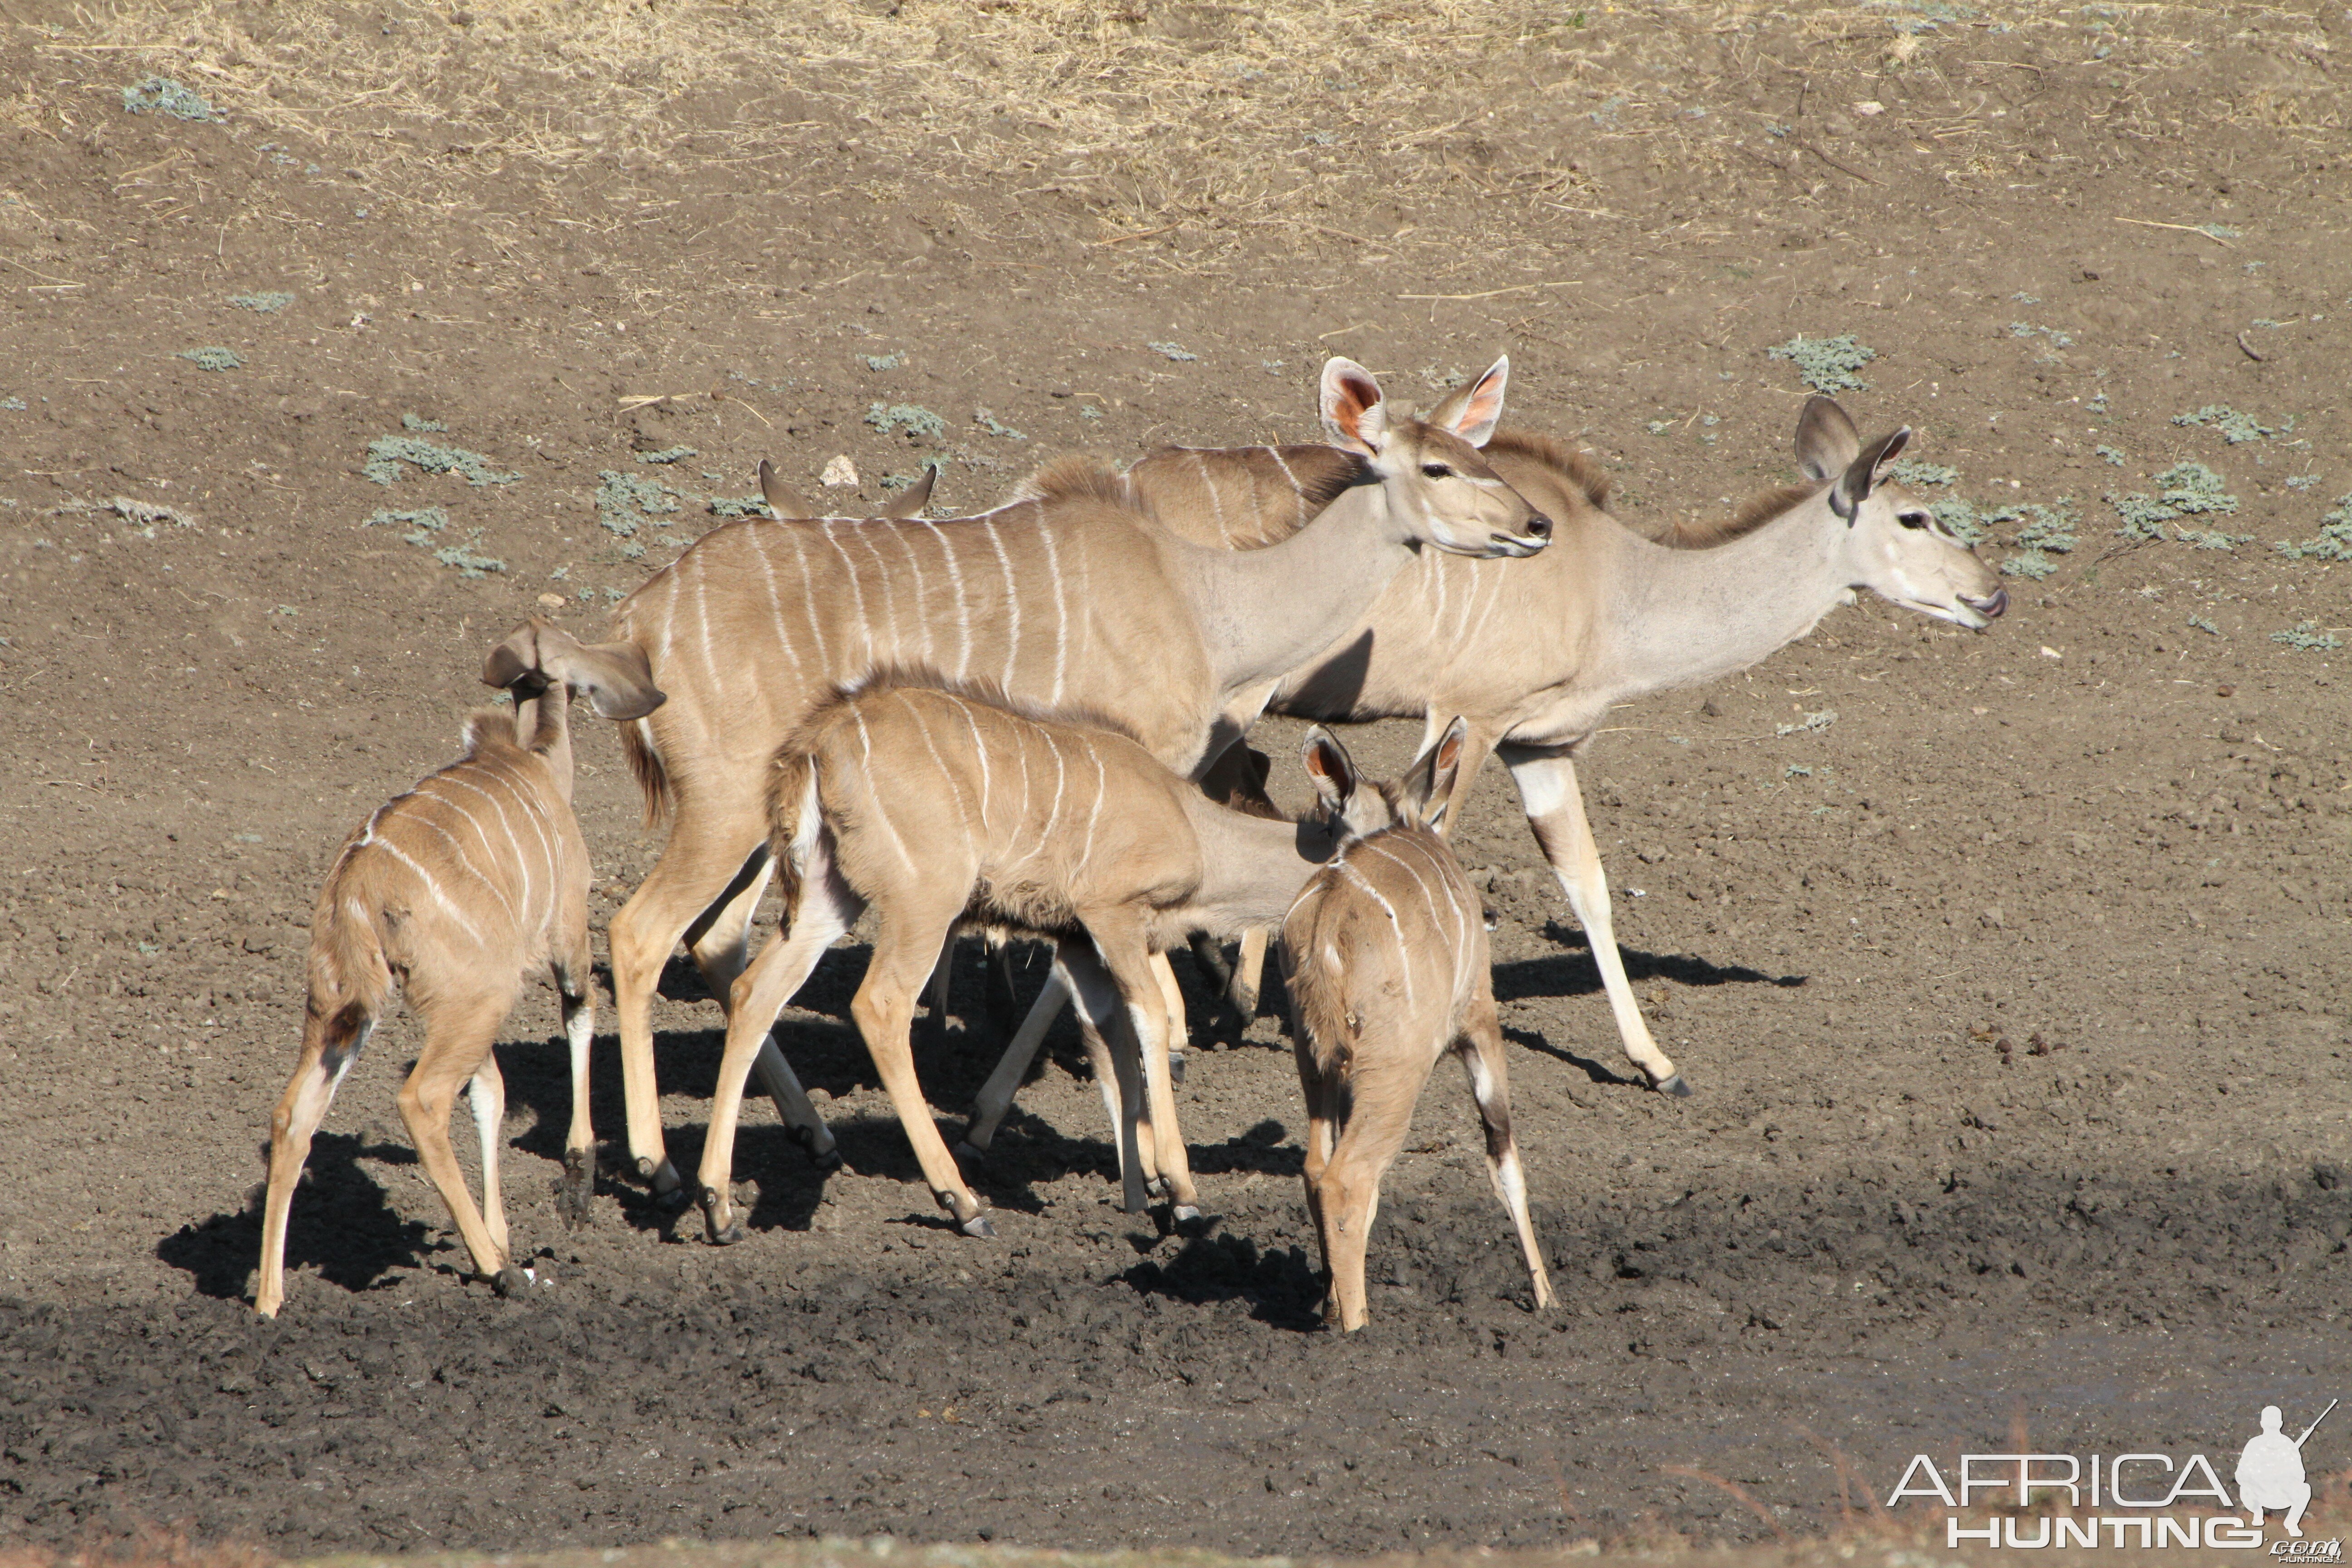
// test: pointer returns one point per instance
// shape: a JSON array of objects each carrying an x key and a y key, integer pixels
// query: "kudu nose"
[
  {"x": 1990, "y": 609},
  {"x": 1538, "y": 527}
]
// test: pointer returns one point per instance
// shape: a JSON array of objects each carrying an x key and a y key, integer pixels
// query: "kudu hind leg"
[
  {"x": 486, "y": 1097},
  {"x": 459, "y": 1035},
  {"x": 826, "y": 909},
  {"x": 1377, "y": 1117},
  {"x": 326, "y": 1060},
  {"x": 1555, "y": 808},
  {"x": 1481, "y": 1050},
  {"x": 884, "y": 1008},
  {"x": 1118, "y": 1062}
]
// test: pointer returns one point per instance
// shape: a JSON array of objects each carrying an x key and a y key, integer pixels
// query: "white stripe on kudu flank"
[
  {"x": 856, "y": 588},
  {"x": 1061, "y": 609},
  {"x": 467, "y": 862},
  {"x": 980, "y": 750},
  {"x": 915, "y": 569},
  {"x": 915, "y": 711},
  {"x": 808, "y": 596},
  {"x": 759, "y": 541},
  {"x": 1093, "y": 813},
  {"x": 873, "y": 788},
  {"x": 432, "y": 886},
  {"x": 508, "y": 828},
  {"x": 963, "y": 607},
  {"x": 1012, "y": 606},
  {"x": 1396, "y": 927}
]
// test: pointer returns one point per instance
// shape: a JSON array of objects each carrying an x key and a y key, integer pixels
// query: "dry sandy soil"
[{"x": 2013, "y": 992}]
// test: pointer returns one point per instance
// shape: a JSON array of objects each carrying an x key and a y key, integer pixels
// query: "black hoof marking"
[
  {"x": 978, "y": 1225},
  {"x": 509, "y": 1281},
  {"x": 1676, "y": 1087},
  {"x": 969, "y": 1150},
  {"x": 712, "y": 1229},
  {"x": 827, "y": 1163},
  {"x": 1175, "y": 1067}
]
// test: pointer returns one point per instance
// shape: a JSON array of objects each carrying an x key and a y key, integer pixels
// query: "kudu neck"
[
  {"x": 1265, "y": 612},
  {"x": 1680, "y": 616},
  {"x": 543, "y": 726},
  {"x": 1252, "y": 867}
]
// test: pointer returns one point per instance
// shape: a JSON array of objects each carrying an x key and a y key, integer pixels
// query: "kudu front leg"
[
  {"x": 1555, "y": 808},
  {"x": 575, "y": 1189}
]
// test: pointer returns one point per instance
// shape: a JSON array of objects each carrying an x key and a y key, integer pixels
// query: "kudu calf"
[
  {"x": 450, "y": 895},
  {"x": 1385, "y": 959},
  {"x": 1534, "y": 657},
  {"x": 933, "y": 803},
  {"x": 1073, "y": 601}
]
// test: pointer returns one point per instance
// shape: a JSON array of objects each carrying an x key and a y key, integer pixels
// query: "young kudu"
[
  {"x": 1077, "y": 601},
  {"x": 935, "y": 803},
  {"x": 1533, "y": 658},
  {"x": 1386, "y": 962},
  {"x": 451, "y": 894}
]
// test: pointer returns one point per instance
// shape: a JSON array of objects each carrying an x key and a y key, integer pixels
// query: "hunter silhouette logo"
[
  {"x": 2269, "y": 1471},
  {"x": 2270, "y": 1479}
]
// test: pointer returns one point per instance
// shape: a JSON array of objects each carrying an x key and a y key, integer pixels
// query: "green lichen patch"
[
  {"x": 2334, "y": 541},
  {"x": 669, "y": 455},
  {"x": 2236, "y": 427},
  {"x": 624, "y": 500},
  {"x": 213, "y": 358},
  {"x": 2049, "y": 530},
  {"x": 1827, "y": 364},
  {"x": 2306, "y": 636},
  {"x": 2184, "y": 489},
  {"x": 387, "y": 453},
  {"x": 919, "y": 423},
  {"x": 162, "y": 95},
  {"x": 266, "y": 303},
  {"x": 1912, "y": 471}
]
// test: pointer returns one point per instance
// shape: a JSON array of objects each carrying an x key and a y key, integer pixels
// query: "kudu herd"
[{"x": 1030, "y": 722}]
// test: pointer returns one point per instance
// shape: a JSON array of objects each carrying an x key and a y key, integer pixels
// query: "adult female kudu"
[
  {"x": 1385, "y": 955},
  {"x": 1075, "y": 599},
  {"x": 451, "y": 894},
  {"x": 935, "y": 803},
  {"x": 1534, "y": 658}
]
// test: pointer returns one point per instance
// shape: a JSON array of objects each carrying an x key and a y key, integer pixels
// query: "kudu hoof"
[
  {"x": 1175, "y": 1067},
  {"x": 1184, "y": 1219},
  {"x": 713, "y": 1207},
  {"x": 1244, "y": 1001},
  {"x": 967, "y": 1151},
  {"x": 509, "y": 1281},
  {"x": 1675, "y": 1085},
  {"x": 668, "y": 1190},
  {"x": 978, "y": 1225},
  {"x": 574, "y": 1190},
  {"x": 826, "y": 1160}
]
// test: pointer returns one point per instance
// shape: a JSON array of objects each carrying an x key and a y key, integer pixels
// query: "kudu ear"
[
  {"x": 1864, "y": 474},
  {"x": 1472, "y": 412},
  {"x": 1428, "y": 785},
  {"x": 782, "y": 499},
  {"x": 1354, "y": 413},
  {"x": 1826, "y": 440},
  {"x": 613, "y": 676},
  {"x": 914, "y": 496},
  {"x": 517, "y": 658},
  {"x": 1333, "y": 770}
]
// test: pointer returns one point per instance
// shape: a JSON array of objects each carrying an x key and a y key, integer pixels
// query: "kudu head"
[
  {"x": 1438, "y": 483},
  {"x": 1417, "y": 798},
  {"x": 1894, "y": 545},
  {"x": 539, "y": 658}
]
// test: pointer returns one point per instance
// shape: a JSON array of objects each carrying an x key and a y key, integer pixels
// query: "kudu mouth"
[
  {"x": 1991, "y": 609},
  {"x": 1518, "y": 546}
]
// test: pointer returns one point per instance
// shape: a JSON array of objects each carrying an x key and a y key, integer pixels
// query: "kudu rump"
[
  {"x": 1532, "y": 656},
  {"x": 1072, "y": 600},
  {"x": 451, "y": 895}
]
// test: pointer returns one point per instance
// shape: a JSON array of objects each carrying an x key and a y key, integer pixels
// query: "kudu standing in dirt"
[
  {"x": 937, "y": 802},
  {"x": 1534, "y": 657},
  {"x": 1072, "y": 600},
  {"x": 451, "y": 895},
  {"x": 1385, "y": 959}
]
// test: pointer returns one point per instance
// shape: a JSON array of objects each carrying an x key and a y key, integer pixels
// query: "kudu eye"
[
  {"x": 1437, "y": 470},
  {"x": 1914, "y": 519}
]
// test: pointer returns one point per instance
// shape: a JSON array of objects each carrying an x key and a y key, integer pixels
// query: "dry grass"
[{"x": 1209, "y": 115}]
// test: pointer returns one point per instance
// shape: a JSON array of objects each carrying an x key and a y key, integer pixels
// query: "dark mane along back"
[
  {"x": 1073, "y": 474},
  {"x": 1697, "y": 533},
  {"x": 1572, "y": 463}
]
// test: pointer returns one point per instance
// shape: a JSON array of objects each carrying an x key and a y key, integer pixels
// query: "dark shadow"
[
  {"x": 1573, "y": 972},
  {"x": 1591, "y": 1068},
  {"x": 1262, "y": 1149},
  {"x": 340, "y": 1224},
  {"x": 1283, "y": 1288}
]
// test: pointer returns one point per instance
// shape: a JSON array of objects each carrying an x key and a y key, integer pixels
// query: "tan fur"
[
  {"x": 450, "y": 895},
  {"x": 936, "y": 806},
  {"x": 1535, "y": 653},
  {"x": 1388, "y": 970},
  {"x": 1070, "y": 600}
]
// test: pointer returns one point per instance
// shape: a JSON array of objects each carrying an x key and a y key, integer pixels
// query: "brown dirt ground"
[{"x": 2013, "y": 995}]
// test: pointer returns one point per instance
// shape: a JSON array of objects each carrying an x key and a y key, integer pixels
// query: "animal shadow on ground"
[
  {"x": 341, "y": 1223},
  {"x": 1283, "y": 1288},
  {"x": 1573, "y": 973}
]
